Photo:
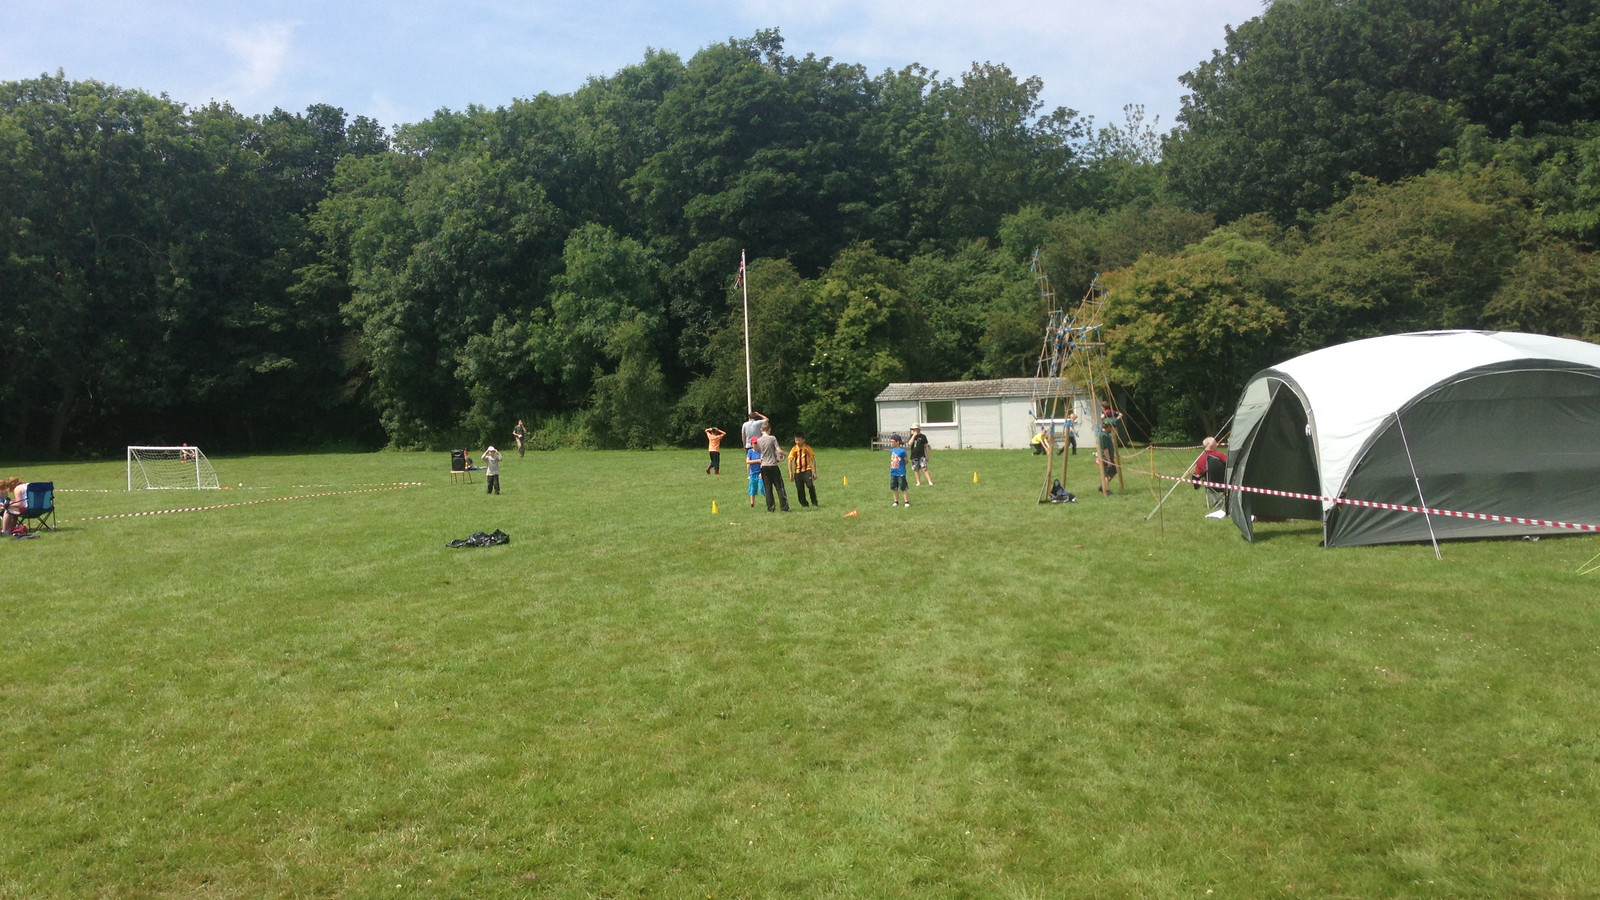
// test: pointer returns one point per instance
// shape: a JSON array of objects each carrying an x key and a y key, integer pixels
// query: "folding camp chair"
[
  {"x": 458, "y": 466},
  {"x": 39, "y": 502},
  {"x": 1216, "y": 473}
]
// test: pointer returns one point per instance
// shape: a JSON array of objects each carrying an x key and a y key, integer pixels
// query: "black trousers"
[
  {"x": 772, "y": 477},
  {"x": 491, "y": 484},
  {"x": 716, "y": 462},
  {"x": 804, "y": 482}
]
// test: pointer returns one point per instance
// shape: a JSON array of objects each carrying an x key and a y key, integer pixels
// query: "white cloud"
[{"x": 260, "y": 52}]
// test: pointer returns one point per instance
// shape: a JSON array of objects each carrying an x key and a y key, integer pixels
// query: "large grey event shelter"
[{"x": 1497, "y": 423}]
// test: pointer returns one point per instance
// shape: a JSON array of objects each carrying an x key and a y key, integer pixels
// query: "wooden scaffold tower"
[{"x": 1072, "y": 363}]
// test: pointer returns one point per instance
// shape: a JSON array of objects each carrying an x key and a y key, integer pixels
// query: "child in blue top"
[
  {"x": 752, "y": 458},
  {"x": 897, "y": 472}
]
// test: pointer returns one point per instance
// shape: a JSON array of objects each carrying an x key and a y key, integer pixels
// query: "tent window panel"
[{"x": 938, "y": 412}]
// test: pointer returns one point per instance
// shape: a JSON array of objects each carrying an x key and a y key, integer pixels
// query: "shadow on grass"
[{"x": 1295, "y": 528}]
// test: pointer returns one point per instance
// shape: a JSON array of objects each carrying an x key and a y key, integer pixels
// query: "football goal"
[{"x": 163, "y": 468}]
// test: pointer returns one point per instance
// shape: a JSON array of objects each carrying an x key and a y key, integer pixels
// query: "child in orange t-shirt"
[{"x": 714, "y": 436}]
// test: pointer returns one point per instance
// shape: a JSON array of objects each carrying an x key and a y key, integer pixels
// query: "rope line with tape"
[
  {"x": 161, "y": 512},
  {"x": 1397, "y": 507}
]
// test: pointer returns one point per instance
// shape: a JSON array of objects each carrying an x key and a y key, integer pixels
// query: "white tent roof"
[{"x": 1352, "y": 389}]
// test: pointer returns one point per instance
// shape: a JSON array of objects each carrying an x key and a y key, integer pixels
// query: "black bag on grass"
[{"x": 479, "y": 539}]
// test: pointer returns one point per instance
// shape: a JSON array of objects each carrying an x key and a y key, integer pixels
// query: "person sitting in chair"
[
  {"x": 1203, "y": 465},
  {"x": 14, "y": 496},
  {"x": 1212, "y": 468}
]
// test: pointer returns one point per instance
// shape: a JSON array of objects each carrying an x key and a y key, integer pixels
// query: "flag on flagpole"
[{"x": 739, "y": 281}]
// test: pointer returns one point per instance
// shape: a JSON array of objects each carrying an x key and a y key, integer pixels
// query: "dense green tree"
[
  {"x": 784, "y": 324},
  {"x": 1425, "y": 253},
  {"x": 995, "y": 152},
  {"x": 607, "y": 282},
  {"x": 89, "y": 175},
  {"x": 1188, "y": 330},
  {"x": 197, "y": 274},
  {"x": 629, "y": 406},
  {"x": 984, "y": 317},
  {"x": 1076, "y": 246},
  {"x": 1311, "y": 93},
  {"x": 149, "y": 250},
  {"x": 1549, "y": 289},
  {"x": 436, "y": 258},
  {"x": 871, "y": 327},
  {"x": 1314, "y": 93}
]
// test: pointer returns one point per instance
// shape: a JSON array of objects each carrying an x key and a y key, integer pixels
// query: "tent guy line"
[{"x": 1396, "y": 507}]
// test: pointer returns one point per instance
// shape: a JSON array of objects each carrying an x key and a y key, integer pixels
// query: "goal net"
[{"x": 161, "y": 468}]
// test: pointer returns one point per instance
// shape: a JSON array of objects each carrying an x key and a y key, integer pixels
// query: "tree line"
[{"x": 1340, "y": 168}]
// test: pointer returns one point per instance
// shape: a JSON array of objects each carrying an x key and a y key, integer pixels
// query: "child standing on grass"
[
  {"x": 752, "y": 457},
  {"x": 897, "y": 472},
  {"x": 803, "y": 469},
  {"x": 919, "y": 456},
  {"x": 491, "y": 461},
  {"x": 714, "y": 436}
]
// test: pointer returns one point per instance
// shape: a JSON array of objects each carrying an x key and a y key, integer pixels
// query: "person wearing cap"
[
  {"x": 918, "y": 453},
  {"x": 491, "y": 465},
  {"x": 752, "y": 458}
]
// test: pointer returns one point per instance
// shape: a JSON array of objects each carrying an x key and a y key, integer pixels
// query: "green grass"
[{"x": 975, "y": 697}]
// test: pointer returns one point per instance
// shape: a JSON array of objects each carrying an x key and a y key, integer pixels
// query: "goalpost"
[{"x": 161, "y": 468}]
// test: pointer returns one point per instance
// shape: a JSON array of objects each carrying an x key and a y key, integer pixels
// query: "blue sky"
[{"x": 401, "y": 60}]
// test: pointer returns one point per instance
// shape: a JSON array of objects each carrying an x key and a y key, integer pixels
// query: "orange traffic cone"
[{"x": 852, "y": 514}]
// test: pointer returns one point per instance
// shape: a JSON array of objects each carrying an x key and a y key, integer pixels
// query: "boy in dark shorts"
[
  {"x": 897, "y": 472},
  {"x": 918, "y": 453}
]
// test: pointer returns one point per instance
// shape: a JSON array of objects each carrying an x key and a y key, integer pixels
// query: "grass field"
[{"x": 974, "y": 697}]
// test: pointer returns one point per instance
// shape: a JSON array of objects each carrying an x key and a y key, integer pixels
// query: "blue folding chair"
[{"x": 39, "y": 504}]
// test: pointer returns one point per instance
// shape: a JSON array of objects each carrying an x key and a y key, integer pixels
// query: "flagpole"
[{"x": 749, "y": 396}]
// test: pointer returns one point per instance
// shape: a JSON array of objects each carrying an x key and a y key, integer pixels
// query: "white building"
[{"x": 1004, "y": 413}]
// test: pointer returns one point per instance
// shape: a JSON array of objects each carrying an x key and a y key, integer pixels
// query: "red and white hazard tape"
[
  {"x": 161, "y": 512},
  {"x": 1398, "y": 507}
]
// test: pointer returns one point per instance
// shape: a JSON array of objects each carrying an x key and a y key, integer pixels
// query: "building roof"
[{"x": 967, "y": 390}]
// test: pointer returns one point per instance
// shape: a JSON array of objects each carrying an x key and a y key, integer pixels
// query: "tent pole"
[
  {"x": 1415, "y": 479},
  {"x": 1222, "y": 432},
  {"x": 1175, "y": 484}
]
